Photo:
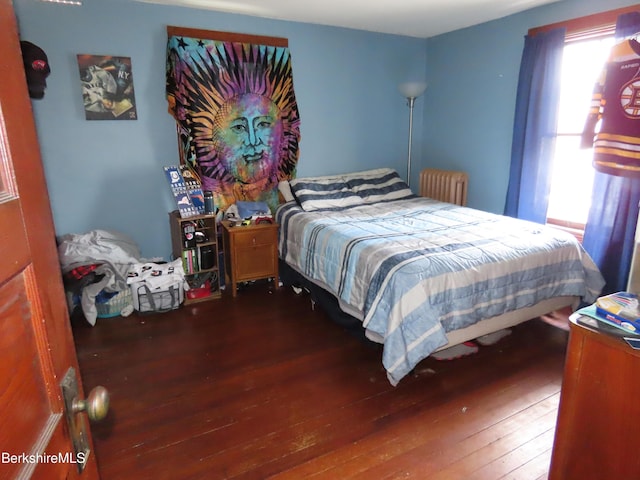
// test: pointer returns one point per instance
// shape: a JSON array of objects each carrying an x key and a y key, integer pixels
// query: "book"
[
  {"x": 621, "y": 308},
  {"x": 190, "y": 261},
  {"x": 194, "y": 187},
  {"x": 180, "y": 192},
  {"x": 185, "y": 261},
  {"x": 590, "y": 317}
]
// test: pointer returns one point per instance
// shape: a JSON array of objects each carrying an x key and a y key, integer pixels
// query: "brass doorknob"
[{"x": 96, "y": 404}]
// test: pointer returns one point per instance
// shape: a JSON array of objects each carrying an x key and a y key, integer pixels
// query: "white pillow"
[{"x": 285, "y": 190}]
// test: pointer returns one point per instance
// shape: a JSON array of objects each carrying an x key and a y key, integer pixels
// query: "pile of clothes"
[{"x": 95, "y": 266}]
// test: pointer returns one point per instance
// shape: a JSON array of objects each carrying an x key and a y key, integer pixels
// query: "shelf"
[
  {"x": 198, "y": 223},
  {"x": 215, "y": 269},
  {"x": 190, "y": 301}
]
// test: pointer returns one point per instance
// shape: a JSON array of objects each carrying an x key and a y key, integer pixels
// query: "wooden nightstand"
[
  {"x": 598, "y": 416},
  {"x": 250, "y": 253}
]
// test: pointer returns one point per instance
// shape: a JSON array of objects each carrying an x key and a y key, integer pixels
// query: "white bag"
[
  {"x": 158, "y": 300},
  {"x": 157, "y": 287}
]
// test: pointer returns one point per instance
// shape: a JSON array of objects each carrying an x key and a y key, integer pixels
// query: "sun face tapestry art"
[{"x": 237, "y": 116}]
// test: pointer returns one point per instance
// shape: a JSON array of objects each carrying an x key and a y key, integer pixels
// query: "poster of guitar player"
[
  {"x": 107, "y": 87},
  {"x": 238, "y": 123}
]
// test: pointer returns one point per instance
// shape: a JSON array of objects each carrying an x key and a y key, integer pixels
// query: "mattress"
[{"x": 414, "y": 269}]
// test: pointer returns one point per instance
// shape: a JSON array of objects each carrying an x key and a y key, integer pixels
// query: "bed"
[{"x": 421, "y": 275}]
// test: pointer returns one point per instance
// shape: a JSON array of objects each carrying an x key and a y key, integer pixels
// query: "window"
[
  {"x": 588, "y": 40},
  {"x": 570, "y": 196}
]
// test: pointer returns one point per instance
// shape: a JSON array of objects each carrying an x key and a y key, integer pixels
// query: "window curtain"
[
  {"x": 535, "y": 126},
  {"x": 611, "y": 224}
]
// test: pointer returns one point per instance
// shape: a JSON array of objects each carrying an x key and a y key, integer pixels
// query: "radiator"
[{"x": 444, "y": 185}]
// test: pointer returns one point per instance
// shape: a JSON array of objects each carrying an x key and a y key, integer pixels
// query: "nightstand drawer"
[
  {"x": 254, "y": 237},
  {"x": 255, "y": 262}
]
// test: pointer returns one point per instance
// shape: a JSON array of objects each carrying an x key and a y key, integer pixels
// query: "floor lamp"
[{"x": 411, "y": 91}]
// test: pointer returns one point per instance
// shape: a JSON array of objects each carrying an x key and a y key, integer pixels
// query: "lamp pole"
[
  {"x": 411, "y": 91},
  {"x": 411, "y": 102}
]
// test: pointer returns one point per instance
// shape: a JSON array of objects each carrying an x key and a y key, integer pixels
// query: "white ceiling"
[{"x": 414, "y": 18}]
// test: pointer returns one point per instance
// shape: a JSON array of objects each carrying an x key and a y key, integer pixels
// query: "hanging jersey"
[{"x": 615, "y": 106}]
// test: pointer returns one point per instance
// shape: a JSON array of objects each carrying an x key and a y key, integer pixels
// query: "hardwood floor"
[{"x": 262, "y": 386}]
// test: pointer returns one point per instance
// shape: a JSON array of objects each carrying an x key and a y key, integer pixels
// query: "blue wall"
[
  {"x": 108, "y": 174},
  {"x": 470, "y": 103}
]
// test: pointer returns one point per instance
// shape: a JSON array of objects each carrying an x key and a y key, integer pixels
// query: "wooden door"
[{"x": 36, "y": 345}]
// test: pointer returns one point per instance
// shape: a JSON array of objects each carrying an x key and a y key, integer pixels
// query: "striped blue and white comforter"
[{"x": 415, "y": 269}]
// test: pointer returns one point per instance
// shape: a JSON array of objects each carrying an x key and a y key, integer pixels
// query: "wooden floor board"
[
  {"x": 454, "y": 437},
  {"x": 499, "y": 451},
  {"x": 263, "y": 386},
  {"x": 537, "y": 468},
  {"x": 438, "y": 425}
]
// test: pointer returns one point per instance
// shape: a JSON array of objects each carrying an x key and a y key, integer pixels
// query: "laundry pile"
[{"x": 95, "y": 266}]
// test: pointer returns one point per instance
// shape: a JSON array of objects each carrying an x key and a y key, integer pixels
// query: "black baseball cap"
[{"x": 36, "y": 67}]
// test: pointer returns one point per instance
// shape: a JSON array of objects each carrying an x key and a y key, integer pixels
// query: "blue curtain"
[
  {"x": 611, "y": 224},
  {"x": 535, "y": 126}
]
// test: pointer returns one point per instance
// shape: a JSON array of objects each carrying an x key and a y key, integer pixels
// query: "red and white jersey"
[{"x": 615, "y": 107}]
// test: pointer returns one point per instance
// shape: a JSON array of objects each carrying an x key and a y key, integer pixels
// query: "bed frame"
[{"x": 330, "y": 305}]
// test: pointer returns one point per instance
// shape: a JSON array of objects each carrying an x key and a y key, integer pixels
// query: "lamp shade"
[{"x": 412, "y": 89}]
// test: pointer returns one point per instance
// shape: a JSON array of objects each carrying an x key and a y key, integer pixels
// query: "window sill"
[{"x": 575, "y": 229}]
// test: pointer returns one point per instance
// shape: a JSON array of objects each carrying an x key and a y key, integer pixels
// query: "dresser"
[{"x": 599, "y": 412}]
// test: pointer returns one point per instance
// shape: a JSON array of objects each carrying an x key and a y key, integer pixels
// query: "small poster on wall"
[{"x": 107, "y": 87}]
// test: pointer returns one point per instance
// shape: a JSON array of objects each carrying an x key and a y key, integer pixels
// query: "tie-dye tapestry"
[{"x": 237, "y": 116}]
